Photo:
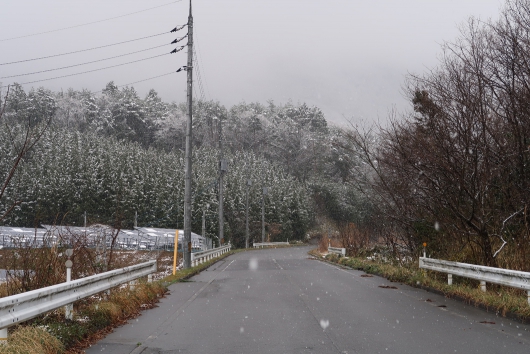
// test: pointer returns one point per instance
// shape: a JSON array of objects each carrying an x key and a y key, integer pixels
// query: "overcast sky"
[{"x": 348, "y": 57}]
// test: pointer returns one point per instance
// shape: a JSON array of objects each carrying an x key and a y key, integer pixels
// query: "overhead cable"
[
  {"x": 83, "y": 50},
  {"x": 198, "y": 76},
  {"x": 90, "y": 71},
  {"x": 88, "y": 62},
  {"x": 136, "y": 82},
  {"x": 88, "y": 23},
  {"x": 200, "y": 60}
]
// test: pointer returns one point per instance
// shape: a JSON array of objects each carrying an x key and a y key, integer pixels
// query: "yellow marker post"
[{"x": 175, "y": 248}]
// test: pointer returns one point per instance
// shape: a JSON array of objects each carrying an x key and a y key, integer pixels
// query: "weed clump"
[{"x": 32, "y": 340}]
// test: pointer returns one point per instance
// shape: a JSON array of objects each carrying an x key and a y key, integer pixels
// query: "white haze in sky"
[{"x": 348, "y": 57}]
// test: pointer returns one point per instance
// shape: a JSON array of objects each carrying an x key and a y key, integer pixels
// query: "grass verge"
[{"x": 504, "y": 301}]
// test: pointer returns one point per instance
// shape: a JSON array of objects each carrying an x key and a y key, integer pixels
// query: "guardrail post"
[
  {"x": 3, "y": 335},
  {"x": 483, "y": 285},
  {"x": 528, "y": 297},
  {"x": 69, "y": 309},
  {"x": 150, "y": 278},
  {"x": 449, "y": 279},
  {"x": 132, "y": 285}
]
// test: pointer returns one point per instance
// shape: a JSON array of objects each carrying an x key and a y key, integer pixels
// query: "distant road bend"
[{"x": 282, "y": 301}]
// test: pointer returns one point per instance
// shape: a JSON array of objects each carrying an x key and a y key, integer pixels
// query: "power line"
[
  {"x": 90, "y": 71},
  {"x": 199, "y": 59},
  {"x": 198, "y": 73},
  {"x": 88, "y": 23},
  {"x": 83, "y": 50},
  {"x": 136, "y": 82},
  {"x": 88, "y": 62}
]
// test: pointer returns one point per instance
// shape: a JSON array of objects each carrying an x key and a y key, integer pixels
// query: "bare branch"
[{"x": 502, "y": 229}]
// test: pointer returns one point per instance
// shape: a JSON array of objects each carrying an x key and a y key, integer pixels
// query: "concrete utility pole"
[
  {"x": 186, "y": 249},
  {"x": 204, "y": 223},
  {"x": 222, "y": 169},
  {"x": 265, "y": 191},
  {"x": 249, "y": 183}
]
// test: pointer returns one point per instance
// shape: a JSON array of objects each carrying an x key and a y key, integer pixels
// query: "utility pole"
[
  {"x": 186, "y": 250},
  {"x": 204, "y": 224},
  {"x": 249, "y": 183},
  {"x": 222, "y": 170},
  {"x": 265, "y": 191}
]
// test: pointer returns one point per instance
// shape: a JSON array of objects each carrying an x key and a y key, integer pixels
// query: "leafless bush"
[{"x": 353, "y": 239}]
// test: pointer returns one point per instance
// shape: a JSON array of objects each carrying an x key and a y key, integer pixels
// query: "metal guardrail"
[
  {"x": 336, "y": 250},
  {"x": 203, "y": 256},
  {"x": 266, "y": 244},
  {"x": 22, "y": 307},
  {"x": 507, "y": 277}
]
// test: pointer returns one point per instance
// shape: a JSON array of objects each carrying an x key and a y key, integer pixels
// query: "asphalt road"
[{"x": 281, "y": 301}]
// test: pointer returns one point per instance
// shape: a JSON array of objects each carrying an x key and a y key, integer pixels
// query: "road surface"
[{"x": 282, "y": 301}]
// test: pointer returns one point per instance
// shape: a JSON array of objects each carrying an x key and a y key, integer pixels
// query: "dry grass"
[
  {"x": 113, "y": 310},
  {"x": 3, "y": 290},
  {"x": 32, "y": 340}
]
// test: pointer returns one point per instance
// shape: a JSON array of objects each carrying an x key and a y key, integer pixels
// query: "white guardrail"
[
  {"x": 507, "y": 277},
  {"x": 22, "y": 307},
  {"x": 336, "y": 250},
  {"x": 266, "y": 244},
  {"x": 204, "y": 256}
]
